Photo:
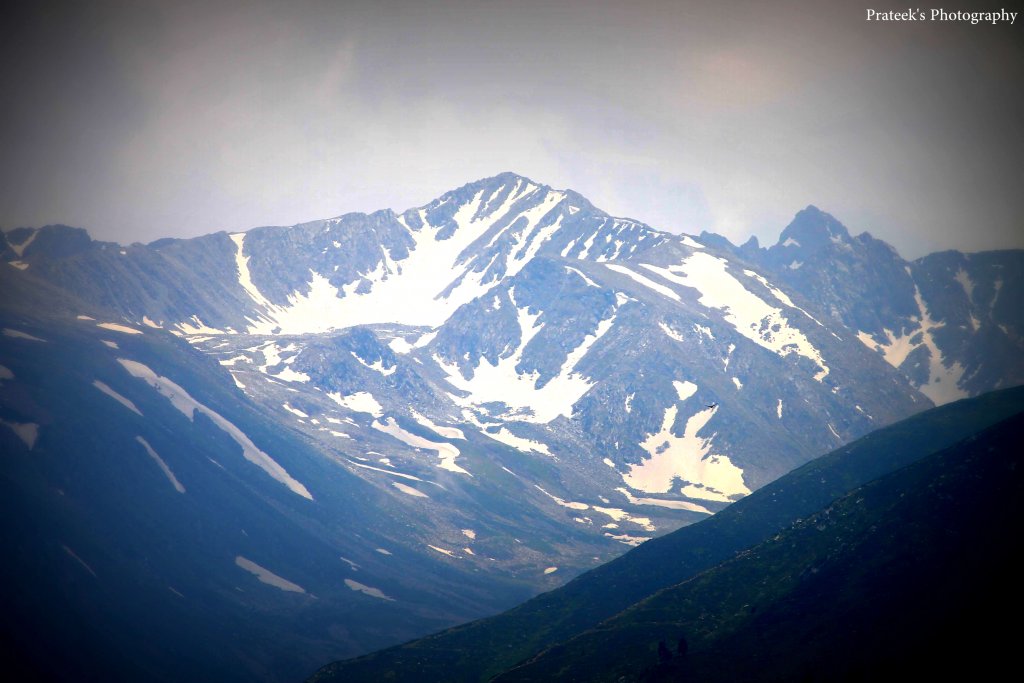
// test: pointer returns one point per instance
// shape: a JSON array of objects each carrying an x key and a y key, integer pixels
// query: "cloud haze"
[{"x": 139, "y": 120}]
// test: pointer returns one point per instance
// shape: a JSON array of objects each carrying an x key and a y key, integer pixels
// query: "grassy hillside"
[{"x": 901, "y": 577}]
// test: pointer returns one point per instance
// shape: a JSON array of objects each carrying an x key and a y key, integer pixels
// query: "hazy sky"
[{"x": 139, "y": 119}]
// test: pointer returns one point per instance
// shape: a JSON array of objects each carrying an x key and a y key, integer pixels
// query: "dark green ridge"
[
  {"x": 485, "y": 648},
  {"x": 902, "y": 579}
]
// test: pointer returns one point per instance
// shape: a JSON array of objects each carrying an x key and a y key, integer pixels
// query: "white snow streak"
[
  {"x": 751, "y": 316},
  {"x": 18, "y": 334},
  {"x": 408, "y": 291},
  {"x": 28, "y": 432},
  {"x": 645, "y": 281},
  {"x": 197, "y": 326},
  {"x": 446, "y": 452},
  {"x": 779, "y": 294},
  {"x": 503, "y": 383},
  {"x": 446, "y": 432},
  {"x": 163, "y": 465},
  {"x": 409, "y": 490},
  {"x": 943, "y": 380},
  {"x": 688, "y": 458},
  {"x": 290, "y": 375},
  {"x": 615, "y": 513},
  {"x": 658, "y": 502},
  {"x": 360, "y": 402},
  {"x": 965, "y": 281},
  {"x": 376, "y": 366},
  {"x": 383, "y": 471},
  {"x": 685, "y": 389},
  {"x": 627, "y": 539},
  {"x": 80, "y": 561},
  {"x": 268, "y": 577},
  {"x": 586, "y": 279},
  {"x": 367, "y": 590},
  {"x": 519, "y": 443},
  {"x": 188, "y": 406},
  {"x": 117, "y": 327},
  {"x": 19, "y": 249},
  {"x": 896, "y": 348},
  {"x": 294, "y": 411},
  {"x": 672, "y": 334},
  {"x": 116, "y": 396}
]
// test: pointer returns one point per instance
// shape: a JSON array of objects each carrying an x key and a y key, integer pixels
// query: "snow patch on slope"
[
  {"x": 360, "y": 402},
  {"x": 28, "y": 432},
  {"x": 268, "y": 577},
  {"x": 965, "y": 281},
  {"x": 19, "y": 249},
  {"x": 644, "y": 280},
  {"x": 445, "y": 451},
  {"x": 162, "y": 465},
  {"x": 943, "y": 380},
  {"x": 519, "y": 443},
  {"x": 943, "y": 385},
  {"x": 895, "y": 349},
  {"x": 188, "y": 406},
  {"x": 18, "y": 334},
  {"x": 376, "y": 366},
  {"x": 684, "y": 389},
  {"x": 670, "y": 333},
  {"x": 587, "y": 280},
  {"x": 408, "y": 490},
  {"x": 617, "y": 514},
  {"x": 688, "y": 458},
  {"x": 117, "y": 327},
  {"x": 503, "y": 383},
  {"x": 423, "y": 289},
  {"x": 658, "y": 502},
  {"x": 116, "y": 396},
  {"x": 750, "y": 315},
  {"x": 367, "y": 590},
  {"x": 446, "y": 432},
  {"x": 71, "y": 553}
]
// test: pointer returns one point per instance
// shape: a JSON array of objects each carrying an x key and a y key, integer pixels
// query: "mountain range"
[{"x": 264, "y": 432}]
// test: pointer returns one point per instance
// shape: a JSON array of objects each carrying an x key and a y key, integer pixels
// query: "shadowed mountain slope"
[
  {"x": 901, "y": 579},
  {"x": 483, "y": 649}
]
